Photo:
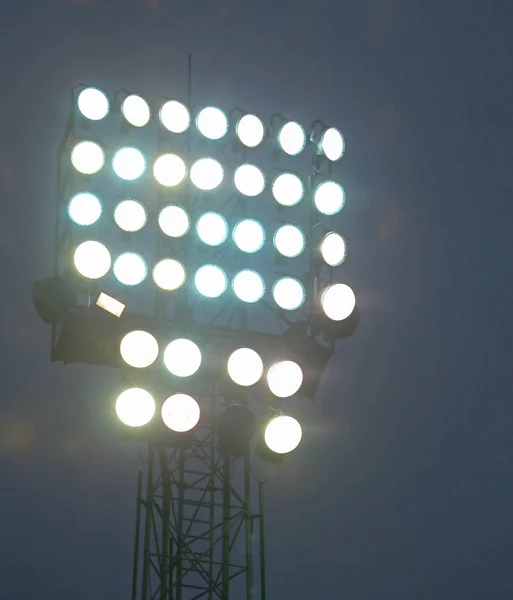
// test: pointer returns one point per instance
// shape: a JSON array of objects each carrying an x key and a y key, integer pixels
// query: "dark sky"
[{"x": 403, "y": 486}]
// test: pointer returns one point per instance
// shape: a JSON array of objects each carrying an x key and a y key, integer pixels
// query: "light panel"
[
  {"x": 169, "y": 170},
  {"x": 338, "y": 301},
  {"x": 212, "y": 229},
  {"x": 130, "y": 215},
  {"x": 93, "y": 104},
  {"x": 282, "y": 434},
  {"x": 130, "y": 268},
  {"x": 139, "y": 349},
  {"x": 136, "y": 110},
  {"x": 110, "y": 304},
  {"x": 135, "y": 407},
  {"x": 333, "y": 249},
  {"x": 169, "y": 274},
  {"x": 288, "y": 189},
  {"x": 329, "y": 198},
  {"x": 248, "y": 286},
  {"x": 174, "y": 221},
  {"x": 175, "y": 116},
  {"x": 289, "y": 293},
  {"x": 182, "y": 358},
  {"x": 250, "y": 131},
  {"x": 332, "y": 144},
  {"x": 87, "y": 157},
  {"x": 207, "y": 174},
  {"x": 84, "y": 209},
  {"x": 249, "y": 180},
  {"x": 212, "y": 122},
  {"x": 245, "y": 366},
  {"x": 292, "y": 138},
  {"x": 289, "y": 240},
  {"x": 181, "y": 413},
  {"x": 92, "y": 259},
  {"x": 211, "y": 281},
  {"x": 249, "y": 235},
  {"x": 285, "y": 378}
]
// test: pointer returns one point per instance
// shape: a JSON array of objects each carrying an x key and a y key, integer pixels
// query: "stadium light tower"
[{"x": 195, "y": 251}]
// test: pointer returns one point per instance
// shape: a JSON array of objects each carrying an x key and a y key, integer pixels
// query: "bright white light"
[
  {"x": 292, "y": 138},
  {"x": 182, "y": 358},
  {"x": 249, "y": 235},
  {"x": 175, "y": 116},
  {"x": 207, "y": 174},
  {"x": 332, "y": 144},
  {"x": 333, "y": 249},
  {"x": 169, "y": 274},
  {"x": 180, "y": 412},
  {"x": 110, "y": 304},
  {"x": 136, "y": 110},
  {"x": 288, "y": 293},
  {"x": 283, "y": 434},
  {"x": 93, "y": 104},
  {"x": 92, "y": 260},
  {"x": 210, "y": 281},
  {"x": 212, "y": 122},
  {"x": 289, "y": 240},
  {"x": 139, "y": 349},
  {"x": 130, "y": 268},
  {"x": 169, "y": 170},
  {"x": 329, "y": 198},
  {"x": 87, "y": 158},
  {"x": 250, "y": 130},
  {"x": 288, "y": 189},
  {"x": 285, "y": 378},
  {"x": 135, "y": 407},
  {"x": 245, "y": 366},
  {"x": 130, "y": 215},
  {"x": 338, "y": 301},
  {"x": 248, "y": 286},
  {"x": 212, "y": 229},
  {"x": 249, "y": 180},
  {"x": 174, "y": 221},
  {"x": 84, "y": 209},
  {"x": 128, "y": 163}
]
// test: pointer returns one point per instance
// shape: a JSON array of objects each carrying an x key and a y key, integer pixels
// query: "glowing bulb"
[
  {"x": 289, "y": 293},
  {"x": 93, "y": 104},
  {"x": 333, "y": 249},
  {"x": 128, "y": 164},
  {"x": 169, "y": 170},
  {"x": 92, "y": 260},
  {"x": 332, "y": 144},
  {"x": 135, "y": 407},
  {"x": 169, "y": 274},
  {"x": 139, "y": 349},
  {"x": 292, "y": 138},
  {"x": 207, "y": 174},
  {"x": 130, "y": 268},
  {"x": 249, "y": 235},
  {"x": 288, "y": 189},
  {"x": 212, "y": 229},
  {"x": 130, "y": 215},
  {"x": 84, "y": 209},
  {"x": 180, "y": 413},
  {"x": 285, "y": 378},
  {"x": 248, "y": 286},
  {"x": 282, "y": 434},
  {"x": 210, "y": 281},
  {"x": 249, "y": 180},
  {"x": 329, "y": 198},
  {"x": 174, "y": 221},
  {"x": 250, "y": 130},
  {"x": 182, "y": 358},
  {"x": 136, "y": 110},
  {"x": 245, "y": 366},
  {"x": 175, "y": 116},
  {"x": 87, "y": 158},
  {"x": 338, "y": 301},
  {"x": 212, "y": 122},
  {"x": 289, "y": 240}
]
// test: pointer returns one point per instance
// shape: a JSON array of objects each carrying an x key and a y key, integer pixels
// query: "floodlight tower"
[{"x": 219, "y": 308}]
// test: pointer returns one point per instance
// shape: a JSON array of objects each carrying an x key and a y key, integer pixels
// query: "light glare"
[
  {"x": 169, "y": 274},
  {"x": 212, "y": 122},
  {"x": 136, "y": 110},
  {"x": 182, "y": 358},
  {"x": 333, "y": 249},
  {"x": 329, "y": 198},
  {"x": 249, "y": 180},
  {"x": 289, "y": 240},
  {"x": 169, "y": 170},
  {"x": 289, "y": 293},
  {"x": 92, "y": 259},
  {"x": 250, "y": 130},
  {"x": 135, "y": 407},
  {"x": 87, "y": 157},
  {"x": 84, "y": 209},
  {"x": 180, "y": 413},
  {"x": 212, "y": 229},
  {"x": 139, "y": 349},
  {"x": 282, "y": 434},
  {"x": 292, "y": 138},
  {"x": 210, "y": 281},
  {"x": 249, "y": 235},
  {"x": 93, "y": 104},
  {"x": 338, "y": 301},
  {"x": 245, "y": 366},
  {"x": 248, "y": 286},
  {"x": 285, "y": 378},
  {"x": 130, "y": 268},
  {"x": 207, "y": 174},
  {"x": 174, "y": 221},
  {"x": 288, "y": 189},
  {"x": 175, "y": 116},
  {"x": 130, "y": 215}
]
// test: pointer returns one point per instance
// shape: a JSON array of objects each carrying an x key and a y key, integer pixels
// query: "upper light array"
[{"x": 212, "y": 122}]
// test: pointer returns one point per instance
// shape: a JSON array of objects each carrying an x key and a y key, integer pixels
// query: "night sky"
[{"x": 403, "y": 486}]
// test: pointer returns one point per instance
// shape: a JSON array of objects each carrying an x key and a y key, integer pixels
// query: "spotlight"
[
  {"x": 333, "y": 249},
  {"x": 289, "y": 293},
  {"x": 52, "y": 300},
  {"x": 292, "y": 138},
  {"x": 212, "y": 122},
  {"x": 210, "y": 281},
  {"x": 169, "y": 170},
  {"x": 115, "y": 307},
  {"x": 207, "y": 174},
  {"x": 332, "y": 144},
  {"x": 329, "y": 198},
  {"x": 338, "y": 301},
  {"x": 175, "y": 116},
  {"x": 250, "y": 131},
  {"x": 92, "y": 259},
  {"x": 174, "y": 221},
  {"x": 130, "y": 268},
  {"x": 249, "y": 180},
  {"x": 169, "y": 274},
  {"x": 93, "y": 104},
  {"x": 282, "y": 434},
  {"x": 248, "y": 286},
  {"x": 130, "y": 215},
  {"x": 139, "y": 349},
  {"x": 248, "y": 235},
  {"x": 289, "y": 240},
  {"x": 288, "y": 189},
  {"x": 128, "y": 164},
  {"x": 245, "y": 366},
  {"x": 135, "y": 407},
  {"x": 212, "y": 229},
  {"x": 136, "y": 110},
  {"x": 182, "y": 358},
  {"x": 236, "y": 426},
  {"x": 84, "y": 209},
  {"x": 180, "y": 413},
  {"x": 284, "y": 378},
  {"x": 87, "y": 157}
]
